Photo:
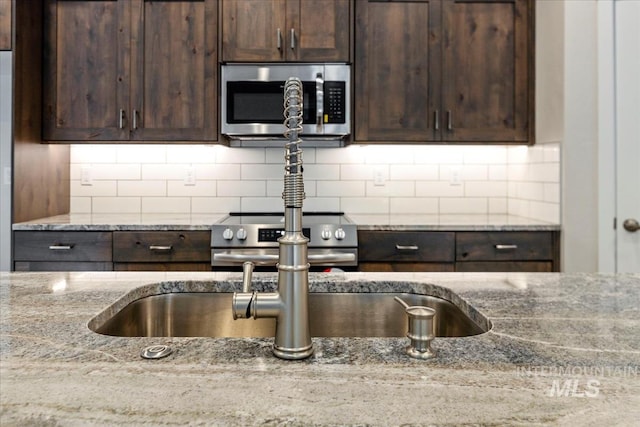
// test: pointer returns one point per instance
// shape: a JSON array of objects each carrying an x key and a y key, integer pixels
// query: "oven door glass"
[{"x": 262, "y": 102}]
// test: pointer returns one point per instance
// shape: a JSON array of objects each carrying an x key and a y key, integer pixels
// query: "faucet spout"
[{"x": 290, "y": 304}]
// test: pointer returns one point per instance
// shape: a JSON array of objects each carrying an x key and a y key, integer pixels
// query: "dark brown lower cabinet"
[
  {"x": 62, "y": 251},
  {"x": 447, "y": 251},
  {"x": 161, "y": 250},
  {"x": 108, "y": 251}
]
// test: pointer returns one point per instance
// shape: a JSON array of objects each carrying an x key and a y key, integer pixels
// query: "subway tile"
[
  {"x": 362, "y": 172},
  {"x": 188, "y": 153},
  {"x": 96, "y": 189},
  {"x": 93, "y": 153},
  {"x": 389, "y": 154},
  {"x": 215, "y": 204},
  {"x": 370, "y": 205},
  {"x": 428, "y": 154},
  {"x": 225, "y": 155},
  {"x": 391, "y": 189},
  {"x": 464, "y": 205},
  {"x": 340, "y": 188},
  {"x": 485, "y": 154},
  {"x": 326, "y": 172},
  {"x": 414, "y": 205},
  {"x": 498, "y": 205},
  {"x": 241, "y": 188},
  {"x": 261, "y": 204},
  {"x": 552, "y": 193},
  {"x": 128, "y": 188},
  {"x": 166, "y": 205},
  {"x": 80, "y": 204},
  {"x": 498, "y": 173},
  {"x": 438, "y": 189},
  {"x": 155, "y": 153},
  {"x": 423, "y": 172},
  {"x": 545, "y": 172},
  {"x": 321, "y": 204},
  {"x": 485, "y": 189},
  {"x": 115, "y": 205},
  {"x": 114, "y": 171},
  {"x": 255, "y": 172},
  {"x": 352, "y": 154},
  {"x": 213, "y": 171},
  {"x": 200, "y": 189}
]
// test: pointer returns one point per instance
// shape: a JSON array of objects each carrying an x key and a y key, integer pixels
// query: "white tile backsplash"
[{"x": 429, "y": 179}]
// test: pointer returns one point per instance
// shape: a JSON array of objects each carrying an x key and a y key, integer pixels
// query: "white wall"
[{"x": 5, "y": 159}]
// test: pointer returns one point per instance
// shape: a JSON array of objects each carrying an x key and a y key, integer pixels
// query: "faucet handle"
[{"x": 247, "y": 273}]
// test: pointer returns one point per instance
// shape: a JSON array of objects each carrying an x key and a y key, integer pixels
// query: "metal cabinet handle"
[
  {"x": 121, "y": 119},
  {"x": 506, "y": 247},
  {"x": 412, "y": 248},
  {"x": 135, "y": 119},
  {"x": 293, "y": 39},
  {"x": 449, "y": 121},
  {"x": 319, "y": 101},
  {"x": 279, "y": 40},
  {"x": 436, "y": 121},
  {"x": 160, "y": 248},
  {"x": 61, "y": 247}
]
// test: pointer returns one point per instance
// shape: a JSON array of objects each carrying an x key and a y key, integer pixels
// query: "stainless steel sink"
[{"x": 331, "y": 315}]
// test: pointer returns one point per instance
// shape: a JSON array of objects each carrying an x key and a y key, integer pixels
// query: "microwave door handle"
[{"x": 319, "y": 102}]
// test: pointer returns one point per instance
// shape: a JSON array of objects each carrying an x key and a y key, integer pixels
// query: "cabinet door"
[
  {"x": 86, "y": 70},
  {"x": 318, "y": 31},
  {"x": 174, "y": 70},
  {"x": 487, "y": 75},
  {"x": 253, "y": 30},
  {"x": 5, "y": 25},
  {"x": 397, "y": 70}
]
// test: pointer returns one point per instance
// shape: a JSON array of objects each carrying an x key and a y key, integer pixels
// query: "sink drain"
[{"x": 156, "y": 352}]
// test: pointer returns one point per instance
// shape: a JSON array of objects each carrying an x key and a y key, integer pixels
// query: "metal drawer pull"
[
  {"x": 293, "y": 39},
  {"x": 60, "y": 247},
  {"x": 436, "y": 121},
  {"x": 506, "y": 247},
  {"x": 159, "y": 248},
  {"x": 121, "y": 119},
  {"x": 279, "y": 39},
  {"x": 449, "y": 121},
  {"x": 407, "y": 247}
]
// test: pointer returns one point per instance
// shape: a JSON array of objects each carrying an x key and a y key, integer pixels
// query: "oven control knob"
[
  {"x": 241, "y": 234},
  {"x": 340, "y": 234},
  {"x": 227, "y": 234},
  {"x": 325, "y": 234}
]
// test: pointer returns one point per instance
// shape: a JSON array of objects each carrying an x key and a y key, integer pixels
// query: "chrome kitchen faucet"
[{"x": 290, "y": 304}]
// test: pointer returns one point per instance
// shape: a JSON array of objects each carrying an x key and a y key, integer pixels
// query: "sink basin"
[{"x": 199, "y": 314}]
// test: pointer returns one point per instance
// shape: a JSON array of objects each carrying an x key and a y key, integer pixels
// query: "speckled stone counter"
[
  {"x": 563, "y": 350},
  {"x": 396, "y": 222}
]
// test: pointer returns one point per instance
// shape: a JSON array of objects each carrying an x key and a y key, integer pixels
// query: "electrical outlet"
[
  {"x": 454, "y": 178},
  {"x": 379, "y": 177},
  {"x": 190, "y": 176},
  {"x": 85, "y": 176}
]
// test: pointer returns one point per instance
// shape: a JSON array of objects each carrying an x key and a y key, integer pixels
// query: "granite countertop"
[
  {"x": 396, "y": 222},
  {"x": 564, "y": 349}
]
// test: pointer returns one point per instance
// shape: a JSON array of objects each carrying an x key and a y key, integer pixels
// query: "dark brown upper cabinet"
[
  {"x": 439, "y": 71},
  {"x": 130, "y": 70},
  {"x": 5, "y": 25},
  {"x": 285, "y": 30}
]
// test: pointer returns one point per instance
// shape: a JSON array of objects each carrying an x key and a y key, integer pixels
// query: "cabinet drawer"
[
  {"x": 62, "y": 246},
  {"x": 504, "y": 246},
  {"x": 406, "y": 246},
  {"x": 161, "y": 246}
]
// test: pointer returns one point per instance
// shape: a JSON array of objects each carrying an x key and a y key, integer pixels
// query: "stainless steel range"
[{"x": 240, "y": 237}]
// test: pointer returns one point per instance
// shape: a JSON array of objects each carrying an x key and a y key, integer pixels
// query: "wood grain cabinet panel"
[
  {"x": 62, "y": 251},
  {"x": 121, "y": 70},
  {"x": 5, "y": 24},
  {"x": 162, "y": 250},
  {"x": 534, "y": 251},
  {"x": 286, "y": 30},
  {"x": 405, "y": 251},
  {"x": 444, "y": 71}
]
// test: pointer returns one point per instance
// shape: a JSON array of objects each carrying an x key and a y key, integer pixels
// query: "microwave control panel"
[{"x": 334, "y": 102}]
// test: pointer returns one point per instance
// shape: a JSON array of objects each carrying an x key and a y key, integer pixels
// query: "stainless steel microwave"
[{"x": 252, "y": 101}]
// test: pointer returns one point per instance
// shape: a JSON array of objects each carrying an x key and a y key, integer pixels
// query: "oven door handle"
[{"x": 273, "y": 258}]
